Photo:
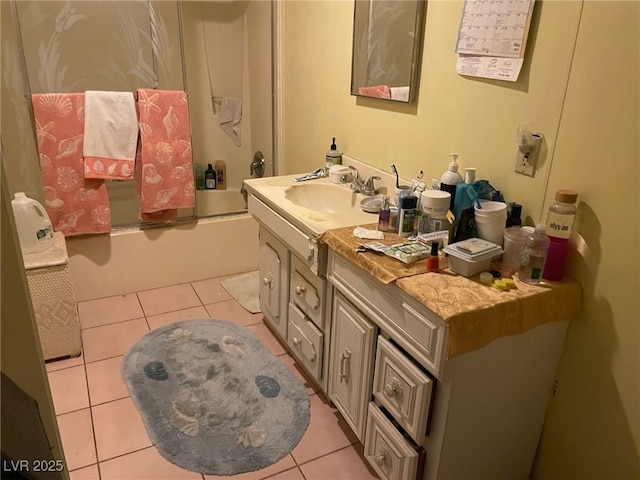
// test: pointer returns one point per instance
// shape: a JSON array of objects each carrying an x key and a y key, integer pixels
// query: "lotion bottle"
[{"x": 451, "y": 178}]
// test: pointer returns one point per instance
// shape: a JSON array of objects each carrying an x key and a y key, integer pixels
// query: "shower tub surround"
[{"x": 424, "y": 400}]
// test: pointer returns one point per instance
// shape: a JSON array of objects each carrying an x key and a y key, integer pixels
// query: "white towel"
[
  {"x": 230, "y": 117},
  {"x": 400, "y": 93},
  {"x": 110, "y": 135}
]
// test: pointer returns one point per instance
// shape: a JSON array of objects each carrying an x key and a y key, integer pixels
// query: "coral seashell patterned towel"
[
  {"x": 75, "y": 205},
  {"x": 164, "y": 170}
]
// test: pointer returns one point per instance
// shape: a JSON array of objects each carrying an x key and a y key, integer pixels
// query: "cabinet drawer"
[
  {"x": 388, "y": 452},
  {"x": 414, "y": 327},
  {"x": 402, "y": 388},
  {"x": 305, "y": 341},
  {"x": 307, "y": 291}
]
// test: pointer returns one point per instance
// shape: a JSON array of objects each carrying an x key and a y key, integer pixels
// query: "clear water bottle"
[
  {"x": 560, "y": 218},
  {"x": 534, "y": 255}
]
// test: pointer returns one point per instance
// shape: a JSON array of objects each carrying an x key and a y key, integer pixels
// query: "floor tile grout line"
[
  {"x": 153, "y": 445},
  {"x": 112, "y": 323}
]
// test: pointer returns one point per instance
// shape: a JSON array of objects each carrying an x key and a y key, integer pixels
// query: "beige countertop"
[{"x": 476, "y": 314}]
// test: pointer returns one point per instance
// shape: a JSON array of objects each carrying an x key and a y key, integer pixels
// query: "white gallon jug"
[{"x": 32, "y": 222}]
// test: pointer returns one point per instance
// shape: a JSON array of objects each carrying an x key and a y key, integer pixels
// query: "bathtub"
[{"x": 139, "y": 259}]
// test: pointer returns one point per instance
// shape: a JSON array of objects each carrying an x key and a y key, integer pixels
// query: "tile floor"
[{"x": 102, "y": 432}]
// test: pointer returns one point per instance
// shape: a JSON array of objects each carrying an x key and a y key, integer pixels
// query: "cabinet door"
[
  {"x": 274, "y": 288},
  {"x": 351, "y": 369}
]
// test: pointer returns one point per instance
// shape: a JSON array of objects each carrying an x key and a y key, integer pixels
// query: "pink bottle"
[{"x": 562, "y": 214}]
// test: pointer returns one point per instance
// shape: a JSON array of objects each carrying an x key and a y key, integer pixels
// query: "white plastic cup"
[
  {"x": 490, "y": 221},
  {"x": 399, "y": 192},
  {"x": 514, "y": 238}
]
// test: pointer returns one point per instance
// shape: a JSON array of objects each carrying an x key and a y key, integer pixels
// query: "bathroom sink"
[{"x": 323, "y": 198}]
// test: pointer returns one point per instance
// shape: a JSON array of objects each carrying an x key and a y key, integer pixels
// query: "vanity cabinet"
[
  {"x": 273, "y": 264},
  {"x": 351, "y": 362},
  {"x": 426, "y": 416}
]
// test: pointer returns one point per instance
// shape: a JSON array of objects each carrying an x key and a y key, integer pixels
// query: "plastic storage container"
[
  {"x": 435, "y": 205},
  {"x": 35, "y": 232},
  {"x": 514, "y": 238},
  {"x": 560, "y": 219},
  {"x": 534, "y": 255},
  {"x": 471, "y": 256}
]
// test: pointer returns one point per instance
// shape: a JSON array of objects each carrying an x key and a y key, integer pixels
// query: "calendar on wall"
[{"x": 492, "y": 38}]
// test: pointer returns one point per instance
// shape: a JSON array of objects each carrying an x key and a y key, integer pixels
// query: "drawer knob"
[
  {"x": 300, "y": 290},
  {"x": 383, "y": 459},
  {"x": 296, "y": 341},
  {"x": 393, "y": 388},
  {"x": 268, "y": 281}
]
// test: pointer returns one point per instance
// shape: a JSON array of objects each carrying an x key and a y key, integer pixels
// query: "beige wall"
[{"x": 586, "y": 106}]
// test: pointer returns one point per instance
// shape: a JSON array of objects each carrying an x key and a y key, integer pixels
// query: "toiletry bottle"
[
  {"x": 534, "y": 255},
  {"x": 210, "y": 178},
  {"x": 384, "y": 214},
  {"x": 199, "y": 177},
  {"x": 333, "y": 157},
  {"x": 221, "y": 174},
  {"x": 451, "y": 178},
  {"x": 465, "y": 193},
  {"x": 407, "y": 215},
  {"x": 560, "y": 218},
  {"x": 433, "y": 262},
  {"x": 514, "y": 219}
]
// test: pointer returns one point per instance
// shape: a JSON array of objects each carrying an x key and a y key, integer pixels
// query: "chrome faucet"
[{"x": 357, "y": 185}]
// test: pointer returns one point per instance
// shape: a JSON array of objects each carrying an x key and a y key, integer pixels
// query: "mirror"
[{"x": 387, "y": 47}]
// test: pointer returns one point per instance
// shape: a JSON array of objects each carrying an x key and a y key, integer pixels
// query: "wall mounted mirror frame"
[{"x": 387, "y": 49}]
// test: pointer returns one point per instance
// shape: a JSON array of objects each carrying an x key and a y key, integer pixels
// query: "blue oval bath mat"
[{"x": 213, "y": 398}]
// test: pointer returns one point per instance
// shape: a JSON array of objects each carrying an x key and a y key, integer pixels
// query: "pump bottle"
[
  {"x": 333, "y": 156},
  {"x": 450, "y": 179}
]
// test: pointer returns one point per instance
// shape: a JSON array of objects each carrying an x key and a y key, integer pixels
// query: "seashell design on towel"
[
  {"x": 252, "y": 436},
  {"x": 125, "y": 169},
  {"x": 80, "y": 110},
  {"x": 57, "y": 104},
  {"x": 164, "y": 153},
  {"x": 69, "y": 146},
  {"x": 187, "y": 424},
  {"x": 189, "y": 189},
  {"x": 101, "y": 215},
  {"x": 150, "y": 175},
  {"x": 45, "y": 161},
  {"x": 51, "y": 199},
  {"x": 112, "y": 168},
  {"x": 85, "y": 195},
  {"x": 67, "y": 179},
  {"x": 170, "y": 122},
  {"x": 145, "y": 129},
  {"x": 180, "y": 172},
  {"x": 187, "y": 149},
  {"x": 43, "y": 132},
  {"x": 70, "y": 220},
  {"x": 98, "y": 166},
  {"x": 163, "y": 197},
  {"x": 180, "y": 99}
]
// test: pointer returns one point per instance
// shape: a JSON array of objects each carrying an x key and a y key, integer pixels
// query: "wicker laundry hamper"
[{"x": 53, "y": 302}]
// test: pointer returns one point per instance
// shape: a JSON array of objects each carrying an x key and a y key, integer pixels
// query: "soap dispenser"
[
  {"x": 450, "y": 179},
  {"x": 333, "y": 156}
]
